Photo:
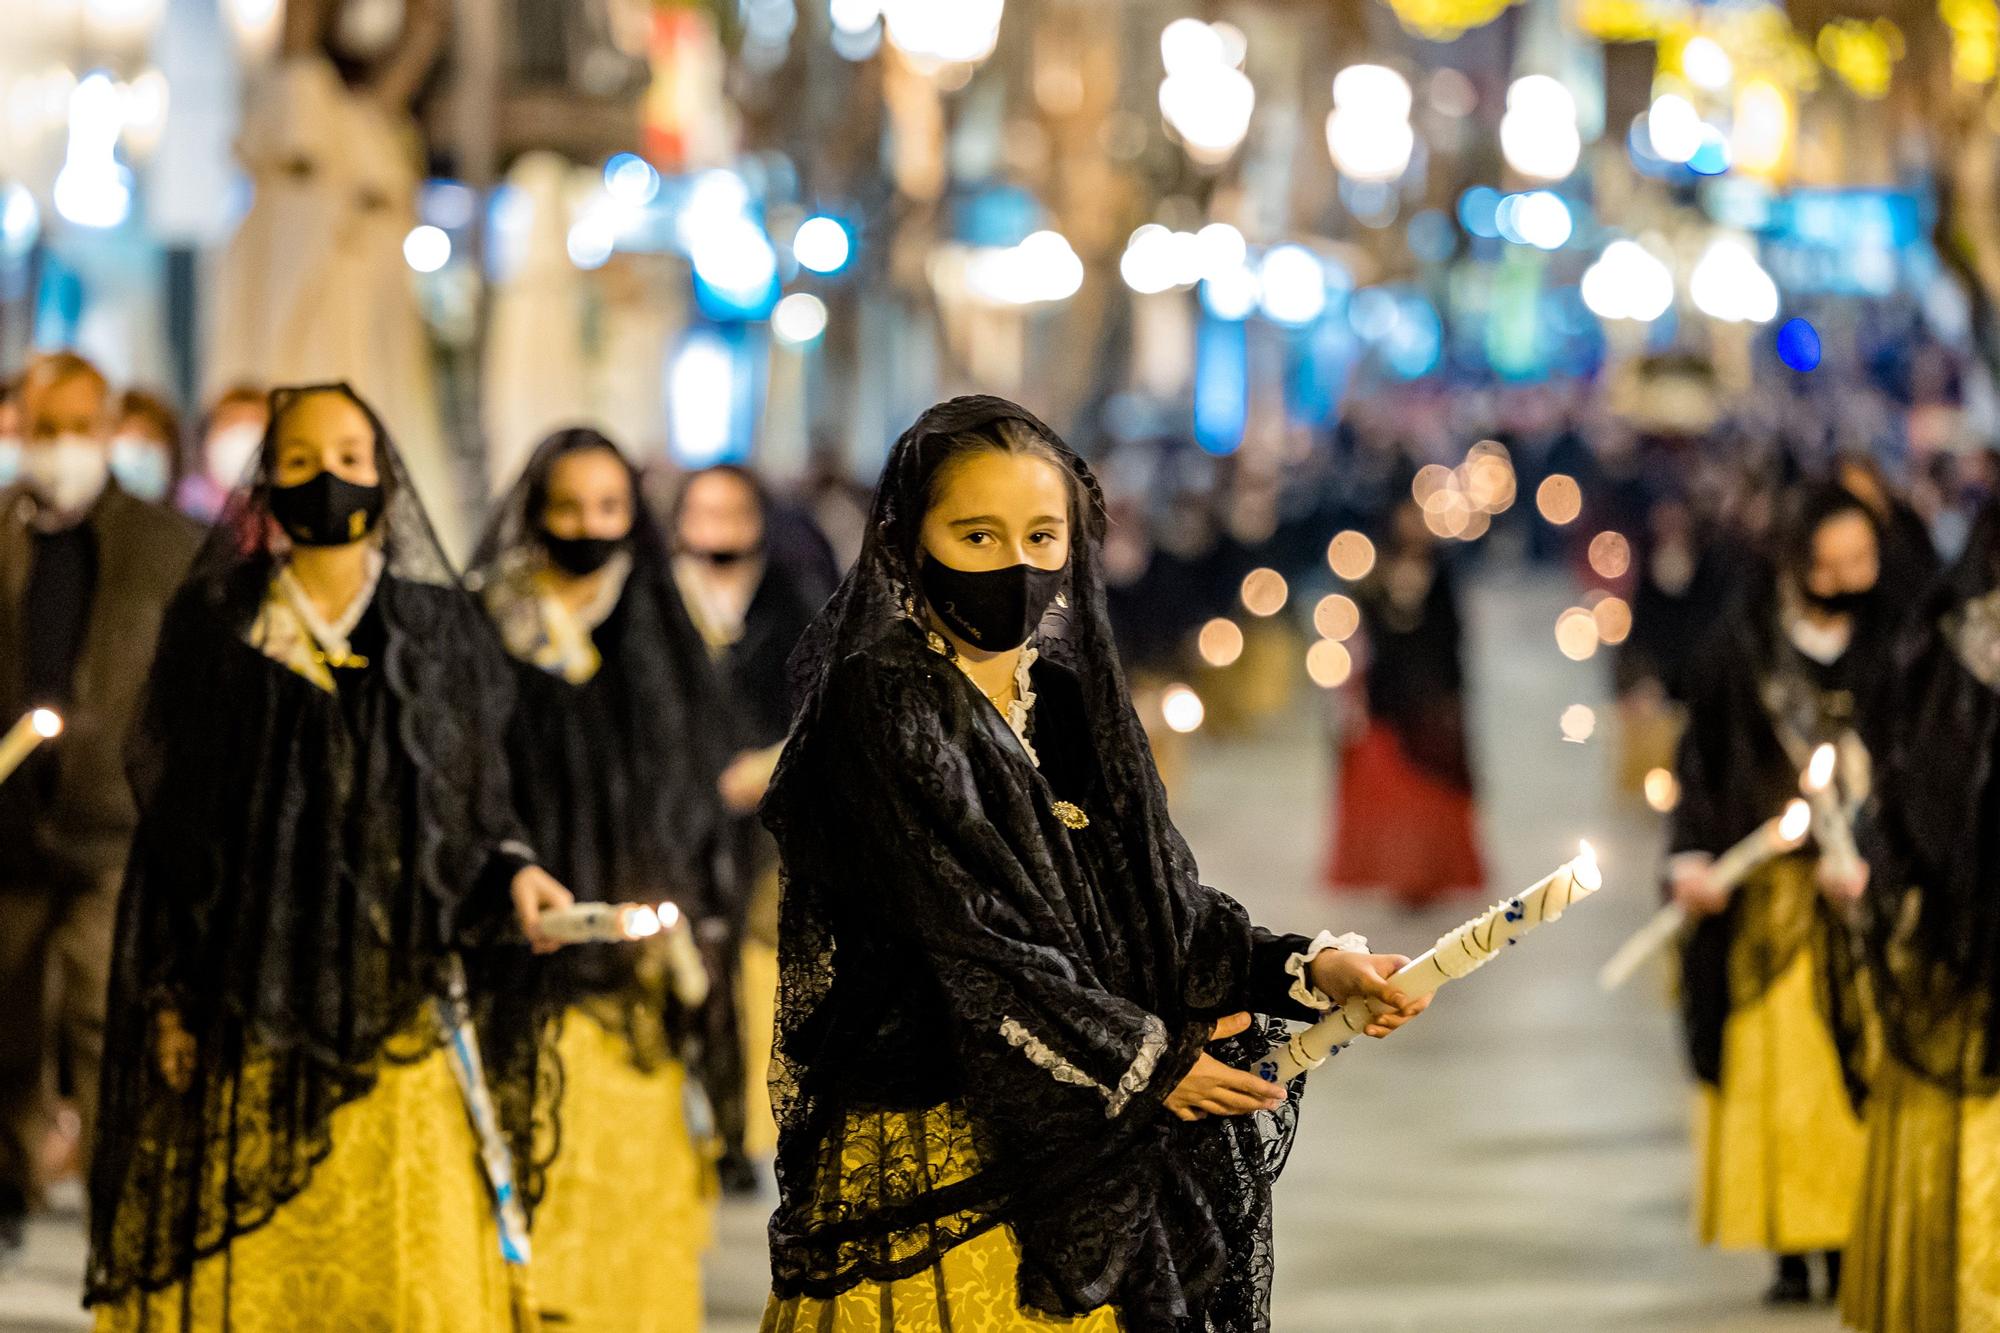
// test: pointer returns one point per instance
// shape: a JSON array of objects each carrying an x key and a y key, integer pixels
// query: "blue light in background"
[
  {"x": 1221, "y": 385},
  {"x": 1798, "y": 345},
  {"x": 1477, "y": 210}
]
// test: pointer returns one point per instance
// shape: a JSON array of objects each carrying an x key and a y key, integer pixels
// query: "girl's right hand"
[{"x": 1214, "y": 1088}]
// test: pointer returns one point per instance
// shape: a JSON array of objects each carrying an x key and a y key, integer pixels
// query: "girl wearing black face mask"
[
  {"x": 1770, "y": 1001},
  {"x": 1000, "y": 971},
  {"x": 326, "y": 841},
  {"x": 616, "y": 745}
]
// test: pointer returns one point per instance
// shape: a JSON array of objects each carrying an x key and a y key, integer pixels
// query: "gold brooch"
[{"x": 1072, "y": 816}]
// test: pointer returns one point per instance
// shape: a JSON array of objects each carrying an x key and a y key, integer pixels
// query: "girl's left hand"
[
  {"x": 1346, "y": 978},
  {"x": 535, "y": 891}
]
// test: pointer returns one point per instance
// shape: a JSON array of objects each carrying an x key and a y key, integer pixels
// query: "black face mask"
[
  {"x": 327, "y": 510},
  {"x": 725, "y": 559},
  {"x": 581, "y": 555},
  {"x": 993, "y": 609},
  {"x": 1842, "y": 603}
]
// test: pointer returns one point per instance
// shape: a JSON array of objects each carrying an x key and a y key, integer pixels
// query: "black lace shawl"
[
  {"x": 946, "y": 938},
  {"x": 615, "y": 777},
  {"x": 1932, "y": 911},
  {"x": 304, "y": 861},
  {"x": 1735, "y": 773}
]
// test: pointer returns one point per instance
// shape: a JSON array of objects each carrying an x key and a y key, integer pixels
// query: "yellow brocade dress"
[
  {"x": 971, "y": 1288},
  {"x": 1925, "y": 1257},
  {"x": 394, "y": 1232},
  {"x": 1778, "y": 1146},
  {"x": 626, "y": 1214}
]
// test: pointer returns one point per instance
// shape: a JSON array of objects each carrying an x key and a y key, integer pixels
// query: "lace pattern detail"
[
  {"x": 1137, "y": 1075},
  {"x": 1302, "y": 989},
  {"x": 291, "y": 632}
]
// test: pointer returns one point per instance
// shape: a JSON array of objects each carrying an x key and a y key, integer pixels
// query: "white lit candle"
[
  {"x": 1457, "y": 954},
  {"x": 1773, "y": 838},
  {"x": 1830, "y": 827},
  {"x": 600, "y": 923},
  {"x": 689, "y": 973},
  {"x": 35, "y": 726}
]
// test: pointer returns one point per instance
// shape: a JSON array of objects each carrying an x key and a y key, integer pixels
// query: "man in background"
[{"x": 86, "y": 571}]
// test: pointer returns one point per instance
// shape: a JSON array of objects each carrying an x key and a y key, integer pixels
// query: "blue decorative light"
[
  {"x": 1798, "y": 345},
  {"x": 1476, "y": 211}
]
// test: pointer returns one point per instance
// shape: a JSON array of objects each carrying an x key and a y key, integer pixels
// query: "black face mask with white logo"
[
  {"x": 327, "y": 510},
  {"x": 991, "y": 609}
]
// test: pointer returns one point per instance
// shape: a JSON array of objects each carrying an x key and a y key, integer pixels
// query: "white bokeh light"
[
  {"x": 1674, "y": 127},
  {"x": 1538, "y": 135},
  {"x": 1628, "y": 282},
  {"x": 1293, "y": 285},
  {"x": 822, "y": 245},
  {"x": 427, "y": 249},
  {"x": 1730, "y": 285},
  {"x": 1707, "y": 65},
  {"x": 799, "y": 318},
  {"x": 1368, "y": 132}
]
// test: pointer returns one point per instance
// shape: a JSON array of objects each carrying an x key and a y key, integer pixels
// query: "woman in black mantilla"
[
  {"x": 1925, "y": 1257},
  {"x": 616, "y": 745},
  {"x": 326, "y": 822},
  {"x": 1767, "y": 987},
  {"x": 1000, "y": 973}
]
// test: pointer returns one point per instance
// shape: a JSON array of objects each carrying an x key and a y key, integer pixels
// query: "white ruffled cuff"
[{"x": 1296, "y": 966}]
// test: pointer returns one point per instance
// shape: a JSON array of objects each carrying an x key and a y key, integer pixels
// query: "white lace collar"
[
  {"x": 1021, "y": 707},
  {"x": 332, "y": 635}
]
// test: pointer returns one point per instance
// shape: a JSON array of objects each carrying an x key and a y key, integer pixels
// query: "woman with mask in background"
[
  {"x": 1768, "y": 992},
  {"x": 1925, "y": 1256},
  {"x": 326, "y": 824},
  {"x": 146, "y": 446},
  {"x": 750, "y": 604},
  {"x": 617, "y": 741},
  {"x": 231, "y": 434},
  {"x": 1000, "y": 971}
]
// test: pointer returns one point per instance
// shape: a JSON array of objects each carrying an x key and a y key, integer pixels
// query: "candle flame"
[
  {"x": 1819, "y": 773},
  {"x": 670, "y": 916},
  {"x": 1585, "y": 867},
  {"x": 1792, "y": 825},
  {"x": 637, "y": 923},
  {"x": 48, "y": 723}
]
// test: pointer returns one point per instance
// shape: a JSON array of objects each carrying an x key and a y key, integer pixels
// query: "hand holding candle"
[
  {"x": 35, "y": 726},
  {"x": 1457, "y": 954},
  {"x": 1773, "y": 838},
  {"x": 617, "y": 923}
]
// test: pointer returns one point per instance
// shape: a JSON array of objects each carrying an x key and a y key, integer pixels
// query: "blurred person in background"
[
  {"x": 10, "y": 431},
  {"x": 750, "y": 604},
  {"x": 146, "y": 446},
  {"x": 1406, "y": 818},
  {"x": 231, "y": 433},
  {"x": 617, "y": 740},
  {"x": 86, "y": 571},
  {"x": 1767, "y": 985},
  {"x": 1925, "y": 1254},
  {"x": 1910, "y": 563},
  {"x": 1678, "y": 588}
]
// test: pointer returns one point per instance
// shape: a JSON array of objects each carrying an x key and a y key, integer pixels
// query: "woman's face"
[
  {"x": 720, "y": 514},
  {"x": 325, "y": 432},
  {"x": 995, "y": 510},
  {"x": 1844, "y": 556},
  {"x": 590, "y": 495}
]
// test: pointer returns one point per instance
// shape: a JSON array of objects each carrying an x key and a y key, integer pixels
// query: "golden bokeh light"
[
  {"x": 1476, "y": 526},
  {"x": 1337, "y": 617},
  {"x": 1663, "y": 790},
  {"x": 1431, "y": 478},
  {"x": 1610, "y": 555},
  {"x": 1560, "y": 499},
  {"x": 1489, "y": 482},
  {"x": 1576, "y": 634},
  {"x": 1265, "y": 592},
  {"x": 1220, "y": 642},
  {"x": 1351, "y": 555},
  {"x": 1614, "y": 619},
  {"x": 1447, "y": 514},
  {"x": 1579, "y": 722},
  {"x": 1329, "y": 664},
  {"x": 1182, "y": 708}
]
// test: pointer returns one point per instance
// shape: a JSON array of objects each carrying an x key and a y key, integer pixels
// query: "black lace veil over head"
[
  {"x": 950, "y": 937},
  {"x": 1932, "y": 912},
  {"x": 307, "y": 855}
]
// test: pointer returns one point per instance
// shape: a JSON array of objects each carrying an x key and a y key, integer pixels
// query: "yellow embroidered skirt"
[
  {"x": 393, "y": 1234},
  {"x": 621, "y": 1229},
  {"x": 971, "y": 1288},
  {"x": 1777, "y": 1143},
  {"x": 1925, "y": 1257}
]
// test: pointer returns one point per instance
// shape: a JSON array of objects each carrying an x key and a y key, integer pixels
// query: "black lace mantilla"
[{"x": 951, "y": 944}]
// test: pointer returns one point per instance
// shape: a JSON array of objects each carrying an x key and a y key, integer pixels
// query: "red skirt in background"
[{"x": 1399, "y": 827}]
